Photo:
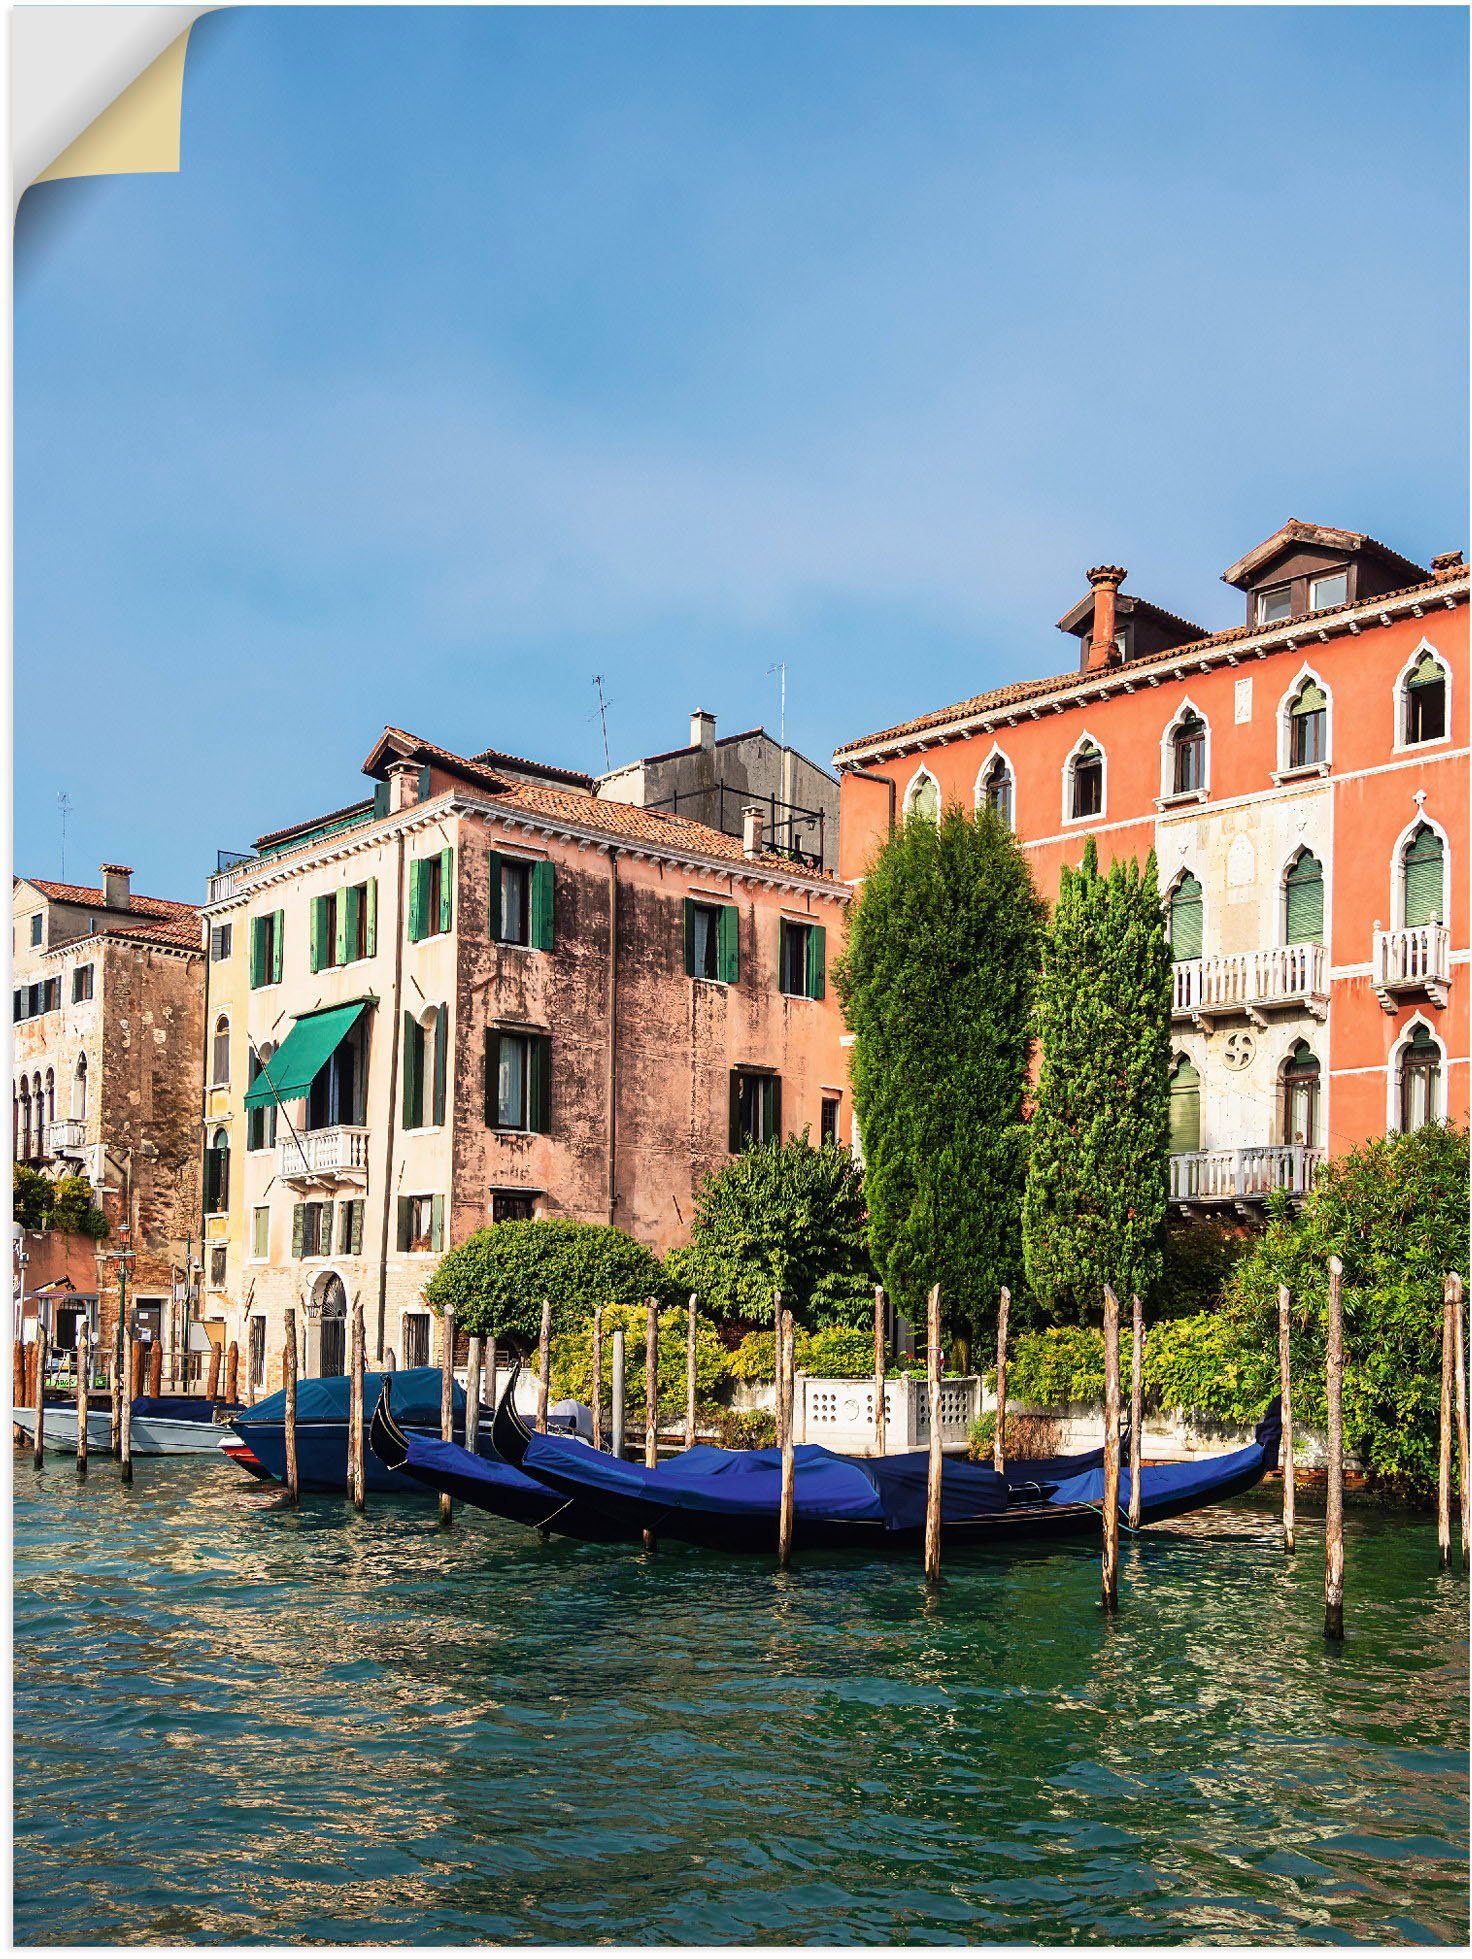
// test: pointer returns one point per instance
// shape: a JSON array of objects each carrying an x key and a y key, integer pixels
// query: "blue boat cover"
[
  {"x": 430, "y": 1452},
  {"x": 173, "y": 1408},
  {"x": 416, "y": 1399},
  {"x": 1167, "y": 1482}
]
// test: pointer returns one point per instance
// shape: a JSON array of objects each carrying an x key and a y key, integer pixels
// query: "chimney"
[
  {"x": 1447, "y": 564},
  {"x": 117, "y": 894},
  {"x": 403, "y": 785},
  {"x": 751, "y": 830},
  {"x": 702, "y": 729},
  {"x": 1106, "y": 581}
]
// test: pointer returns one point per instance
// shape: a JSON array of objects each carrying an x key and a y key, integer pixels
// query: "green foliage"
[
  {"x": 1200, "y": 1256},
  {"x": 1055, "y": 1365},
  {"x": 68, "y": 1204},
  {"x": 496, "y": 1281},
  {"x": 756, "y": 1358},
  {"x": 838, "y": 1353},
  {"x": 754, "y": 1428},
  {"x": 782, "y": 1215},
  {"x": 572, "y": 1358},
  {"x": 32, "y": 1198},
  {"x": 1099, "y": 1142},
  {"x": 937, "y": 986},
  {"x": 1395, "y": 1211},
  {"x": 1209, "y": 1364}
]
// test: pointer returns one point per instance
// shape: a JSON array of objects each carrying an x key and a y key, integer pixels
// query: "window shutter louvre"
[
  {"x": 437, "y": 1223},
  {"x": 370, "y": 905},
  {"x": 278, "y": 941},
  {"x": 493, "y": 894},
  {"x": 728, "y": 944},
  {"x": 772, "y": 1097},
  {"x": 1304, "y": 921},
  {"x": 734, "y": 1137},
  {"x": 1186, "y": 919},
  {"x": 356, "y": 1245},
  {"x": 380, "y": 799},
  {"x": 314, "y": 949},
  {"x": 341, "y": 955},
  {"x": 416, "y": 900},
  {"x": 493, "y": 1071},
  {"x": 298, "y": 1228},
  {"x": 441, "y": 1059},
  {"x": 424, "y": 783},
  {"x": 447, "y": 888},
  {"x": 690, "y": 937},
  {"x": 1185, "y": 1109},
  {"x": 405, "y": 1207},
  {"x": 817, "y": 961},
  {"x": 256, "y": 936},
  {"x": 544, "y": 890},
  {"x": 1423, "y": 878},
  {"x": 539, "y": 1086},
  {"x": 350, "y": 911},
  {"x": 413, "y": 1072}
]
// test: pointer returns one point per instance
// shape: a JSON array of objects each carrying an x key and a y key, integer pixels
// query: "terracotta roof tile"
[{"x": 92, "y": 896}]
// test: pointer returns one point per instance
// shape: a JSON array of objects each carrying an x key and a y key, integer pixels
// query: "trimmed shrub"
[{"x": 496, "y": 1281}]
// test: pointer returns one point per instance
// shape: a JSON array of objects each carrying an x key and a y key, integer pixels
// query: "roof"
[
  {"x": 721, "y": 741},
  {"x": 163, "y": 921},
  {"x": 498, "y": 757},
  {"x": 360, "y": 808},
  {"x": 1001, "y": 698},
  {"x": 1295, "y": 531},
  {"x": 1081, "y": 615}
]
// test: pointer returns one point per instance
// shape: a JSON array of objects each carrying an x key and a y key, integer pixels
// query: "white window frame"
[
  {"x": 1324, "y": 605},
  {"x": 1168, "y": 791},
  {"x": 978, "y": 794},
  {"x": 1185, "y": 871},
  {"x": 1397, "y": 912},
  {"x": 1303, "y": 848},
  {"x": 1392, "y": 1082},
  {"x": 1400, "y": 700},
  {"x": 218, "y": 1080},
  {"x": 1285, "y": 771},
  {"x": 1259, "y": 619},
  {"x": 922, "y": 774},
  {"x": 1085, "y": 740}
]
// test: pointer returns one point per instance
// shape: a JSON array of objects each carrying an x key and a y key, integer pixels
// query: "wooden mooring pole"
[
  {"x": 999, "y": 1439},
  {"x": 1110, "y": 1563},
  {"x": 472, "y": 1394},
  {"x": 1137, "y": 1406},
  {"x": 156, "y": 1368},
  {"x": 84, "y": 1381},
  {"x": 288, "y": 1381},
  {"x": 786, "y": 1398},
  {"x": 357, "y": 1462},
  {"x": 447, "y": 1401},
  {"x": 1444, "y": 1437},
  {"x": 881, "y": 1360},
  {"x": 597, "y": 1377},
  {"x": 544, "y": 1366},
  {"x": 38, "y": 1440},
  {"x": 690, "y": 1375},
  {"x": 136, "y": 1366},
  {"x": 1334, "y": 1491},
  {"x": 1459, "y": 1388},
  {"x": 651, "y": 1397},
  {"x": 125, "y": 1430},
  {"x": 616, "y": 1397},
  {"x": 1285, "y": 1390},
  {"x": 232, "y": 1374},
  {"x": 213, "y": 1390},
  {"x": 936, "y": 1463},
  {"x": 115, "y": 1437}
]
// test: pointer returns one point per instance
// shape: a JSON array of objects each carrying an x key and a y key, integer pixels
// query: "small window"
[
  {"x": 828, "y": 1119},
  {"x": 518, "y": 1084},
  {"x": 1308, "y": 721},
  {"x": 218, "y": 1255},
  {"x": 1423, "y": 878},
  {"x": 1425, "y": 709},
  {"x": 220, "y": 940},
  {"x": 996, "y": 789},
  {"x": 516, "y": 902},
  {"x": 1420, "y": 1080},
  {"x": 1185, "y": 1107},
  {"x": 511, "y": 1082},
  {"x": 1188, "y": 755},
  {"x": 265, "y": 949},
  {"x": 260, "y": 1231},
  {"x": 257, "y": 1351},
  {"x": 217, "y": 1172},
  {"x": 425, "y": 1068},
  {"x": 36, "y": 927},
  {"x": 260, "y": 1124},
  {"x": 421, "y": 1224},
  {"x": 1301, "y": 1096},
  {"x": 512, "y": 1206},
  {"x": 1331, "y": 589},
  {"x": 923, "y": 797},
  {"x": 1186, "y": 919},
  {"x": 802, "y": 959},
  {"x": 1274, "y": 604},
  {"x": 756, "y": 1109},
  {"x": 416, "y": 1339},
  {"x": 312, "y": 1231},
  {"x": 220, "y": 1054},
  {"x": 705, "y": 927},
  {"x": 431, "y": 895},
  {"x": 1087, "y": 785},
  {"x": 81, "y": 983}
]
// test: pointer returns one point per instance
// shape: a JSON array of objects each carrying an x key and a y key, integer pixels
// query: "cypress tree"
[
  {"x": 1099, "y": 1142},
  {"x": 937, "y": 986}
]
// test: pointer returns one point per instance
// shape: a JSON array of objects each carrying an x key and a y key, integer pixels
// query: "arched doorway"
[{"x": 330, "y": 1308}]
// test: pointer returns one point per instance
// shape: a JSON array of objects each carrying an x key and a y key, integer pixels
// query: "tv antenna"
[
  {"x": 603, "y": 719},
  {"x": 64, "y": 804},
  {"x": 780, "y": 669}
]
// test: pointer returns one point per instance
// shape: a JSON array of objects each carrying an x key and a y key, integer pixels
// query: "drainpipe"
[
  {"x": 612, "y": 1011},
  {"x": 870, "y": 775},
  {"x": 393, "y": 1098}
]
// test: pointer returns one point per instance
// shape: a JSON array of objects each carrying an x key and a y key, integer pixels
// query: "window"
[
  {"x": 260, "y": 1231},
  {"x": 25, "y": 1120},
  {"x": 41, "y": 997},
  {"x": 518, "y": 1080},
  {"x": 521, "y": 898},
  {"x": 756, "y": 1109},
  {"x": 81, "y": 983},
  {"x": 425, "y": 1067},
  {"x": 311, "y": 1230},
  {"x": 260, "y": 1124},
  {"x": 38, "y": 1109},
  {"x": 220, "y": 937},
  {"x": 828, "y": 1119},
  {"x": 1274, "y": 604},
  {"x": 218, "y": 1256},
  {"x": 1301, "y": 1096},
  {"x": 1331, "y": 589},
  {"x": 922, "y": 798},
  {"x": 339, "y": 1091},
  {"x": 802, "y": 959},
  {"x": 1185, "y": 1107},
  {"x": 1188, "y": 754},
  {"x": 79, "y": 1089},
  {"x": 1422, "y": 879},
  {"x": 1420, "y": 1080},
  {"x": 37, "y": 925},
  {"x": 512, "y": 1206},
  {"x": 1425, "y": 700},
  {"x": 256, "y": 1350},
  {"x": 266, "y": 937},
  {"x": 1086, "y": 782},
  {"x": 350, "y": 1228},
  {"x": 1186, "y": 916},
  {"x": 1303, "y": 901},
  {"x": 342, "y": 926},
  {"x": 996, "y": 788},
  {"x": 217, "y": 1172},
  {"x": 712, "y": 941},
  {"x": 416, "y": 1339},
  {"x": 431, "y": 895},
  {"x": 51, "y": 1095},
  {"x": 220, "y": 1053},
  {"x": 421, "y": 1224},
  {"x": 1308, "y": 727}
]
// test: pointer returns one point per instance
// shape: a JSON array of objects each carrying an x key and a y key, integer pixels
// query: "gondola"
[{"x": 322, "y": 1428}]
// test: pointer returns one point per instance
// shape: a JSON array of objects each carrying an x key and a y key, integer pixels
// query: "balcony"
[
  {"x": 67, "y": 1137},
  {"x": 1412, "y": 959},
  {"x": 1251, "y": 984},
  {"x": 323, "y": 1156},
  {"x": 1243, "y": 1177}
]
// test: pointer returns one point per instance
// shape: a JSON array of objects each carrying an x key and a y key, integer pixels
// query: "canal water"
[{"x": 234, "y": 1723}]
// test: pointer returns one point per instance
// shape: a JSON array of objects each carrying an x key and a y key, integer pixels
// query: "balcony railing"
[
  {"x": 1244, "y": 1176},
  {"x": 1249, "y": 982},
  {"x": 1412, "y": 959},
  {"x": 324, "y": 1156},
  {"x": 68, "y": 1134}
]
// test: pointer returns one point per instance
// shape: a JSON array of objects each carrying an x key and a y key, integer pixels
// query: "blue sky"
[{"x": 473, "y": 352}]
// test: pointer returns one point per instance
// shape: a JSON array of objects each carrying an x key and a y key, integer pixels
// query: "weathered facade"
[
  {"x": 1302, "y": 779},
  {"x": 108, "y": 1027},
  {"x": 483, "y": 994}
]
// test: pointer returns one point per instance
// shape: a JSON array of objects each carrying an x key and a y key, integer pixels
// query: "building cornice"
[{"x": 243, "y": 881}]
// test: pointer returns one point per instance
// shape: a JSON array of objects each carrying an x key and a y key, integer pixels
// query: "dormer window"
[
  {"x": 1331, "y": 589},
  {"x": 1274, "y": 604}
]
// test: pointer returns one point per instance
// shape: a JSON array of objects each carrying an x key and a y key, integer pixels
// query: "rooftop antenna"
[
  {"x": 64, "y": 804},
  {"x": 780, "y": 669},
  {"x": 603, "y": 719}
]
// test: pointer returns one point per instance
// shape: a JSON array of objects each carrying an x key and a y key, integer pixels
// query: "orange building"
[{"x": 1302, "y": 779}]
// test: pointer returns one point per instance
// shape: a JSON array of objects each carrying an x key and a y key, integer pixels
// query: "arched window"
[
  {"x": 996, "y": 788},
  {"x": 1301, "y": 1096},
  {"x": 1420, "y": 1079},
  {"x": 1185, "y": 1107},
  {"x": 1422, "y": 878},
  {"x": 51, "y": 1095},
  {"x": 1186, "y": 918},
  {"x": 1085, "y": 781},
  {"x": 25, "y": 1120},
  {"x": 260, "y": 1124},
  {"x": 38, "y": 1101},
  {"x": 79, "y": 1089},
  {"x": 1423, "y": 698},
  {"x": 1303, "y": 901},
  {"x": 220, "y": 1053},
  {"x": 217, "y": 1172},
  {"x": 922, "y": 798},
  {"x": 1308, "y": 726},
  {"x": 1188, "y": 754}
]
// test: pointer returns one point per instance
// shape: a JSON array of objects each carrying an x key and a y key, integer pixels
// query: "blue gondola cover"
[{"x": 416, "y": 1399}]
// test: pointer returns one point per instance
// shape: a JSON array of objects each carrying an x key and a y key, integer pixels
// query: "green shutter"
[
  {"x": 493, "y": 1071},
  {"x": 416, "y": 899},
  {"x": 539, "y": 1086},
  {"x": 544, "y": 889},
  {"x": 817, "y": 961},
  {"x": 344, "y": 1227},
  {"x": 728, "y": 945},
  {"x": 735, "y": 1138},
  {"x": 278, "y": 940},
  {"x": 316, "y": 947},
  {"x": 447, "y": 888},
  {"x": 424, "y": 791},
  {"x": 690, "y": 937},
  {"x": 1186, "y": 919},
  {"x": 413, "y": 1072},
  {"x": 405, "y": 1231},
  {"x": 493, "y": 894},
  {"x": 772, "y": 1108},
  {"x": 341, "y": 952},
  {"x": 1423, "y": 878},
  {"x": 437, "y": 1223},
  {"x": 441, "y": 1059},
  {"x": 356, "y": 1244},
  {"x": 380, "y": 799},
  {"x": 257, "y": 950},
  {"x": 298, "y": 1228},
  {"x": 370, "y": 929},
  {"x": 1185, "y": 1109},
  {"x": 1304, "y": 920}
]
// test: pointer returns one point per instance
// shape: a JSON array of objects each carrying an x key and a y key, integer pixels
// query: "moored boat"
[{"x": 162, "y": 1425}]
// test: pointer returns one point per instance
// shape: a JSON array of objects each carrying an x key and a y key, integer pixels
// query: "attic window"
[
  {"x": 1331, "y": 589},
  {"x": 1275, "y": 604}
]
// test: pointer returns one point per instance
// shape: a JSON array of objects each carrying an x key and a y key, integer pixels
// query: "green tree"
[
  {"x": 782, "y": 1215},
  {"x": 68, "y": 1204},
  {"x": 937, "y": 986},
  {"x": 496, "y": 1281},
  {"x": 1099, "y": 1148}
]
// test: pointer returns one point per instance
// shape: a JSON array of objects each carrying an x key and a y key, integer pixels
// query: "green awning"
[{"x": 294, "y": 1066}]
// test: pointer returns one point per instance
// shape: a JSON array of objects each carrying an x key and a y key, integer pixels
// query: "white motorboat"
[{"x": 172, "y": 1425}]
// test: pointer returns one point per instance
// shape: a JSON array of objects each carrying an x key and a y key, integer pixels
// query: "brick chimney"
[
  {"x": 117, "y": 891},
  {"x": 1106, "y": 581},
  {"x": 403, "y": 785},
  {"x": 702, "y": 729},
  {"x": 1447, "y": 564},
  {"x": 751, "y": 830}
]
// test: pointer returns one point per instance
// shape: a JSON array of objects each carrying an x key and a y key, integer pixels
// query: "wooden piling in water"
[
  {"x": 447, "y": 1401},
  {"x": 1444, "y": 1435},
  {"x": 288, "y": 1380},
  {"x": 936, "y": 1463},
  {"x": 690, "y": 1375},
  {"x": 999, "y": 1439},
  {"x": 597, "y": 1377},
  {"x": 38, "y": 1440},
  {"x": 84, "y": 1382},
  {"x": 544, "y": 1365},
  {"x": 1334, "y": 1492},
  {"x": 136, "y": 1366},
  {"x": 156, "y": 1368},
  {"x": 232, "y": 1373},
  {"x": 472, "y": 1394},
  {"x": 651, "y": 1384},
  {"x": 213, "y": 1390},
  {"x": 1110, "y": 1562},
  {"x": 616, "y": 1397},
  {"x": 18, "y": 1376},
  {"x": 125, "y": 1432},
  {"x": 880, "y": 1370},
  {"x": 1285, "y": 1391},
  {"x": 115, "y": 1434},
  {"x": 786, "y": 1398},
  {"x": 1459, "y": 1391},
  {"x": 1137, "y": 1406},
  {"x": 357, "y": 1366}
]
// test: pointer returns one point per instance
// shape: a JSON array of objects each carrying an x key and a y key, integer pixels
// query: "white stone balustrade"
[
  {"x": 1243, "y": 1175},
  {"x": 1412, "y": 959},
  {"x": 1246, "y": 982},
  {"x": 840, "y": 1414},
  {"x": 68, "y": 1133},
  {"x": 338, "y": 1155}
]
